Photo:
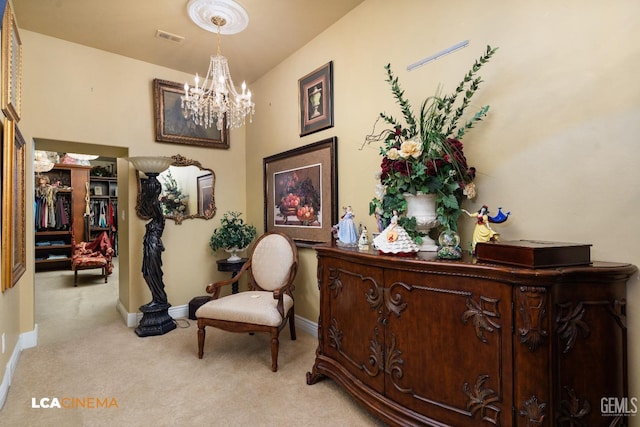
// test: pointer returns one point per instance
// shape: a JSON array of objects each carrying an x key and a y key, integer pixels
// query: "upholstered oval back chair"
[{"x": 267, "y": 305}]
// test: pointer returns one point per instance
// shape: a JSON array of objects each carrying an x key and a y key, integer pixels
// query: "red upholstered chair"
[
  {"x": 267, "y": 305},
  {"x": 90, "y": 255}
]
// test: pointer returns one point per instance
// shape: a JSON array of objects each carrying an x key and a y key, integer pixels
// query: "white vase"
[
  {"x": 422, "y": 207},
  {"x": 234, "y": 254}
]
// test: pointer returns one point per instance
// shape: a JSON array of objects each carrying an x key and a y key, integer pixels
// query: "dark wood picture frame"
[
  {"x": 11, "y": 66},
  {"x": 310, "y": 175},
  {"x": 205, "y": 194},
  {"x": 171, "y": 126},
  {"x": 316, "y": 100},
  {"x": 14, "y": 254}
]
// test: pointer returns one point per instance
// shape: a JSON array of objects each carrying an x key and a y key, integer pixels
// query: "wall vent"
[{"x": 168, "y": 36}]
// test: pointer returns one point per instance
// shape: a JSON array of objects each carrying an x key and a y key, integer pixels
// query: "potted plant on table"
[{"x": 233, "y": 235}]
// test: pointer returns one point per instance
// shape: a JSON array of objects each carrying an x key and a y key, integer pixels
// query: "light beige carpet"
[{"x": 85, "y": 352}]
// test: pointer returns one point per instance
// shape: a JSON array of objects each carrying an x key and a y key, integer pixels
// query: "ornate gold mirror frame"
[{"x": 187, "y": 191}]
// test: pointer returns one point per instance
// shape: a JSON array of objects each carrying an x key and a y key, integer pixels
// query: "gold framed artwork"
[
  {"x": 301, "y": 192},
  {"x": 11, "y": 66},
  {"x": 171, "y": 125},
  {"x": 14, "y": 257}
]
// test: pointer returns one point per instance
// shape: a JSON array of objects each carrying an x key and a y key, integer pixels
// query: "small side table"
[{"x": 233, "y": 267}]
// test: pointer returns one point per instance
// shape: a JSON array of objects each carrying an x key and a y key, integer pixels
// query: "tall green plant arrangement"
[{"x": 425, "y": 153}]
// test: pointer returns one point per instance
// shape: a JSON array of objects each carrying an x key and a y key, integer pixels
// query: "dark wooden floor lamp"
[{"x": 155, "y": 314}]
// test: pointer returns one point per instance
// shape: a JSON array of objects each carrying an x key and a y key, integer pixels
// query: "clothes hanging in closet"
[
  {"x": 103, "y": 213},
  {"x": 50, "y": 210}
]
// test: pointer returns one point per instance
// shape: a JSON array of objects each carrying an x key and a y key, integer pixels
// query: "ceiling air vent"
[{"x": 168, "y": 36}]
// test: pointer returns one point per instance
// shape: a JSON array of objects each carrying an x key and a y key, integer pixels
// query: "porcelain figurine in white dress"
[{"x": 395, "y": 240}]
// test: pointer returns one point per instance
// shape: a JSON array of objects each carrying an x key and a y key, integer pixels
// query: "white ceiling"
[{"x": 276, "y": 29}]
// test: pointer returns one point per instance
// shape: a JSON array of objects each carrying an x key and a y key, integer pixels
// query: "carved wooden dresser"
[{"x": 463, "y": 343}]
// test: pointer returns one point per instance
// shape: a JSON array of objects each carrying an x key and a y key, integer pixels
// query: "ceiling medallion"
[{"x": 203, "y": 12}]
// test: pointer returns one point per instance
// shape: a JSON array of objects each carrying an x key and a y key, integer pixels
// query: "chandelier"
[
  {"x": 215, "y": 100},
  {"x": 41, "y": 162}
]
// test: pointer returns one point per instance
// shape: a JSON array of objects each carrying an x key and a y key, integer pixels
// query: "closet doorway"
[{"x": 94, "y": 204}]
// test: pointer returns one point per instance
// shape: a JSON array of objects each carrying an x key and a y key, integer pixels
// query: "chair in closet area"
[{"x": 91, "y": 255}]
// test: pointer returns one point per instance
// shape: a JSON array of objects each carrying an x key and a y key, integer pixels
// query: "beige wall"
[
  {"x": 75, "y": 96},
  {"x": 109, "y": 101},
  {"x": 118, "y": 110},
  {"x": 559, "y": 148}
]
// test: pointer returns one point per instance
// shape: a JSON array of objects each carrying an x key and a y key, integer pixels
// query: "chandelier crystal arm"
[{"x": 217, "y": 100}]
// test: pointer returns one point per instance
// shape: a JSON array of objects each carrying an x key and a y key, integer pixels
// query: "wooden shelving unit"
[
  {"x": 53, "y": 243},
  {"x": 53, "y": 249},
  {"x": 104, "y": 208}
]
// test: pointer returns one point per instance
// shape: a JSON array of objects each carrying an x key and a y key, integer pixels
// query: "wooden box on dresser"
[{"x": 420, "y": 341}]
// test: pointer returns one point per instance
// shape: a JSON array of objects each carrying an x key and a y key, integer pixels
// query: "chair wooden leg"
[
  {"x": 75, "y": 278},
  {"x": 274, "y": 350},
  {"x": 104, "y": 272},
  {"x": 201, "y": 335},
  {"x": 292, "y": 325}
]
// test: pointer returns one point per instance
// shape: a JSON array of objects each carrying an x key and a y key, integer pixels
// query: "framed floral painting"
[{"x": 301, "y": 192}]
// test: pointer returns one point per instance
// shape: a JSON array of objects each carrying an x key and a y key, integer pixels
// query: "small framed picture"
[
  {"x": 316, "y": 100},
  {"x": 206, "y": 204},
  {"x": 97, "y": 191}
]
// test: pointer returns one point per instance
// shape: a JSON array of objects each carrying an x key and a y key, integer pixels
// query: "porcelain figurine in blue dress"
[{"x": 347, "y": 230}]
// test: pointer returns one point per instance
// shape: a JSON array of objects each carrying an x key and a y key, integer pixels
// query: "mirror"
[{"x": 187, "y": 191}]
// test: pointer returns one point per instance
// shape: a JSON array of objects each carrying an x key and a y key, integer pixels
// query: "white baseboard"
[
  {"x": 132, "y": 319},
  {"x": 25, "y": 340},
  {"x": 182, "y": 311},
  {"x": 307, "y": 326},
  {"x": 178, "y": 312},
  {"x": 29, "y": 339}
]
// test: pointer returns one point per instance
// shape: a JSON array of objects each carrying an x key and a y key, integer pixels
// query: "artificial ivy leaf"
[{"x": 449, "y": 201}]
